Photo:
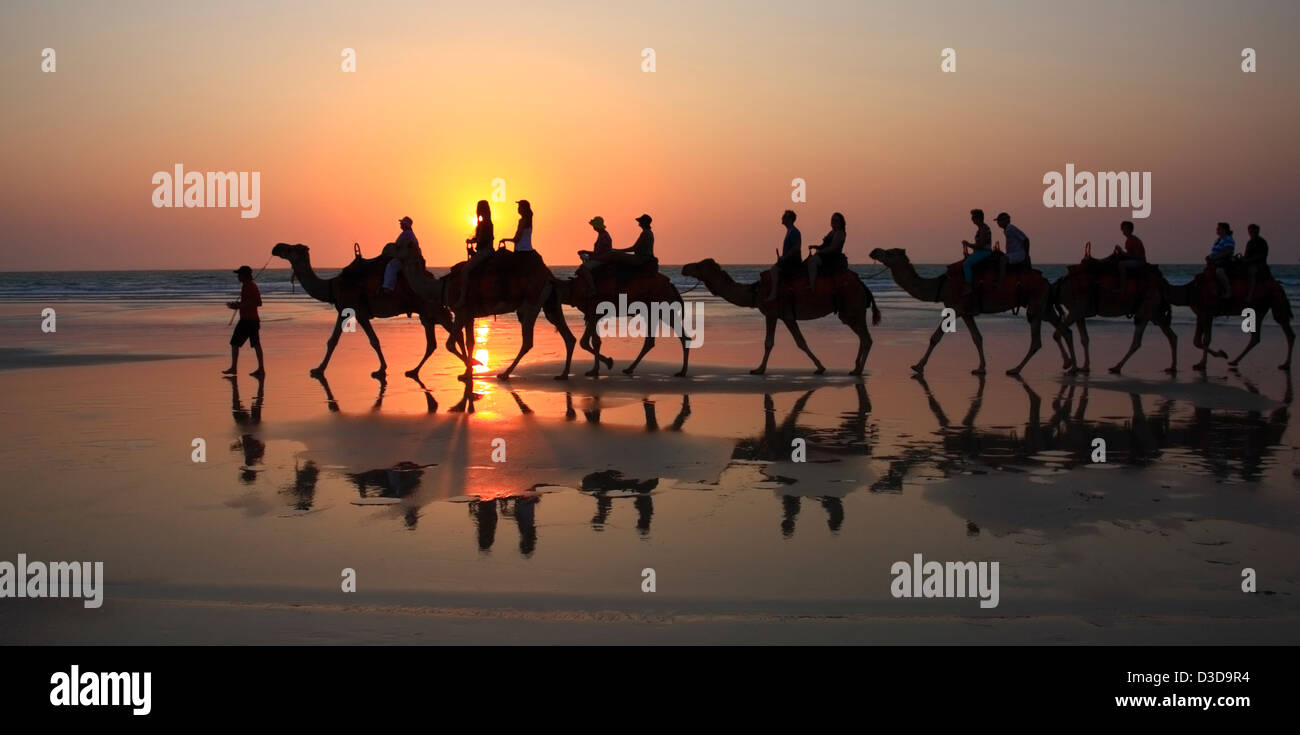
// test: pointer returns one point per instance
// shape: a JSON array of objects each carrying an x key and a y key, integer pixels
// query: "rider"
[
  {"x": 1133, "y": 255},
  {"x": 1255, "y": 258},
  {"x": 523, "y": 238},
  {"x": 405, "y": 237},
  {"x": 640, "y": 252},
  {"x": 1220, "y": 256},
  {"x": 791, "y": 250},
  {"x": 980, "y": 249},
  {"x": 832, "y": 244},
  {"x": 1017, "y": 246},
  {"x": 483, "y": 243},
  {"x": 600, "y": 252}
]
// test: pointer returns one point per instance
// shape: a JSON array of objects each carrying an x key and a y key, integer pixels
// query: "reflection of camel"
[
  {"x": 506, "y": 282},
  {"x": 1032, "y": 293},
  {"x": 484, "y": 513},
  {"x": 600, "y": 484},
  {"x": 843, "y": 294},
  {"x": 645, "y": 290},
  {"x": 1222, "y": 438},
  {"x": 776, "y": 441},
  {"x": 1202, "y": 296},
  {"x": 362, "y": 295},
  {"x": 1082, "y": 295}
]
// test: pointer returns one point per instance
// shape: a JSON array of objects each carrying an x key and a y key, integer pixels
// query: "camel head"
[
  {"x": 293, "y": 253},
  {"x": 702, "y": 269},
  {"x": 890, "y": 257}
]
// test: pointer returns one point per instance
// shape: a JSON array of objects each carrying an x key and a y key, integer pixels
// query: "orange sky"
[{"x": 551, "y": 98}]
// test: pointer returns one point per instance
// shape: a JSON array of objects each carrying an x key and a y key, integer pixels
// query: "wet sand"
[{"x": 603, "y": 479}]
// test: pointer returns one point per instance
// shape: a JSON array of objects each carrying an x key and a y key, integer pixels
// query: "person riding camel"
[
  {"x": 640, "y": 252},
  {"x": 791, "y": 251},
  {"x": 484, "y": 244},
  {"x": 600, "y": 252},
  {"x": 523, "y": 238},
  {"x": 1255, "y": 259},
  {"x": 1017, "y": 253},
  {"x": 832, "y": 244},
  {"x": 1133, "y": 256},
  {"x": 979, "y": 250},
  {"x": 1220, "y": 258},
  {"x": 405, "y": 237}
]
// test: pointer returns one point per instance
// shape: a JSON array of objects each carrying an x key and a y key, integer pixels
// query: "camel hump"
[{"x": 361, "y": 268}]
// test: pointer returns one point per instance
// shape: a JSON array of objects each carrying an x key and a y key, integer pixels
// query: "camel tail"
[{"x": 875, "y": 309}]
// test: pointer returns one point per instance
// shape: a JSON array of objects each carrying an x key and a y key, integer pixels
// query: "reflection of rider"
[
  {"x": 832, "y": 244},
  {"x": 791, "y": 251},
  {"x": 483, "y": 241},
  {"x": 980, "y": 249},
  {"x": 405, "y": 237}
]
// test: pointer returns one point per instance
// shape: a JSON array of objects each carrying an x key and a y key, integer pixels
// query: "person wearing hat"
[
  {"x": 1017, "y": 252},
  {"x": 600, "y": 252},
  {"x": 405, "y": 237},
  {"x": 1131, "y": 257},
  {"x": 248, "y": 326},
  {"x": 640, "y": 252},
  {"x": 523, "y": 238},
  {"x": 979, "y": 250}
]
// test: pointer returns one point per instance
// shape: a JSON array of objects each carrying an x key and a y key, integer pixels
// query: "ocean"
[{"x": 144, "y": 288}]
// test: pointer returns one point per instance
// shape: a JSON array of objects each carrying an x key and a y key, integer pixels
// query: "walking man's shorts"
[{"x": 246, "y": 331}]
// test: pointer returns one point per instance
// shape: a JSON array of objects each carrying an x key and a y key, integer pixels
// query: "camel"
[
  {"x": 1080, "y": 295},
  {"x": 507, "y": 282},
  {"x": 361, "y": 295},
  {"x": 843, "y": 294},
  {"x": 1028, "y": 289},
  {"x": 1201, "y": 294},
  {"x": 655, "y": 291}
]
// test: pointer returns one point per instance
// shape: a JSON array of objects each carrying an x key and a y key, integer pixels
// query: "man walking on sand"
[{"x": 248, "y": 326}]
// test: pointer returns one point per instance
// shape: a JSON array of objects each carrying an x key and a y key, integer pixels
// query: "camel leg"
[
  {"x": 1086, "y": 342},
  {"x": 1035, "y": 343},
  {"x": 645, "y": 347},
  {"x": 919, "y": 367},
  {"x": 527, "y": 320},
  {"x": 374, "y": 344},
  {"x": 430, "y": 344},
  {"x": 330, "y": 344},
  {"x": 1284, "y": 321},
  {"x": 768, "y": 341},
  {"x": 978, "y": 339},
  {"x": 1203, "y": 331},
  {"x": 595, "y": 341},
  {"x": 1064, "y": 342},
  {"x": 555, "y": 315},
  {"x": 1139, "y": 326},
  {"x": 801, "y": 343},
  {"x": 464, "y": 331},
  {"x": 860, "y": 328},
  {"x": 1170, "y": 335},
  {"x": 1250, "y": 345}
]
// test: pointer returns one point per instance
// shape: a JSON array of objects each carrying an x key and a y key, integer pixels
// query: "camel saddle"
[
  {"x": 1239, "y": 285},
  {"x": 490, "y": 281},
  {"x": 1100, "y": 276},
  {"x": 985, "y": 275},
  {"x": 794, "y": 285},
  {"x": 624, "y": 273}
]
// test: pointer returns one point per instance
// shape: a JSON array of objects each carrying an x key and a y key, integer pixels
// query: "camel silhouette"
[
  {"x": 843, "y": 294},
  {"x": 642, "y": 288},
  {"x": 358, "y": 290},
  {"x": 1027, "y": 289}
]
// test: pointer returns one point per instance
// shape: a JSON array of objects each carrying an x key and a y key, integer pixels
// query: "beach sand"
[{"x": 604, "y": 479}]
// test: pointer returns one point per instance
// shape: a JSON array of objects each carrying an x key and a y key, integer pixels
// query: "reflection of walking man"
[{"x": 248, "y": 326}]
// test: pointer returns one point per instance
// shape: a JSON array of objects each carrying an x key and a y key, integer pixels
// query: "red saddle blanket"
[
  {"x": 797, "y": 286},
  {"x": 985, "y": 276}
]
